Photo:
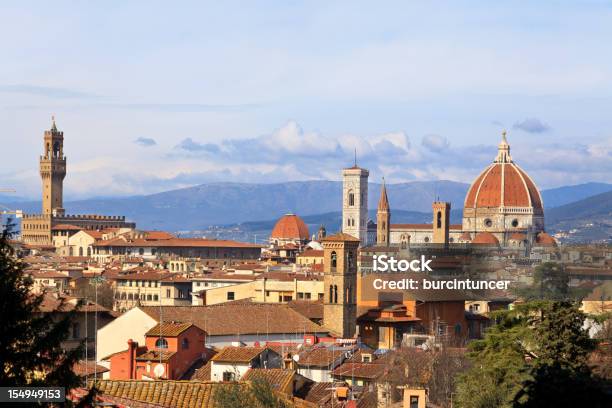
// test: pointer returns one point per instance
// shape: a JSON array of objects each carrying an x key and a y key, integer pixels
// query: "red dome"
[
  {"x": 504, "y": 184},
  {"x": 544, "y": 239},
  {"x": 290, "y": 226},
  {"x": 485, "y": 238}
]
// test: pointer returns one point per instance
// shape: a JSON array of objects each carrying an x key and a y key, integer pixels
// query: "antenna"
[{"x": 355, "y": 157}]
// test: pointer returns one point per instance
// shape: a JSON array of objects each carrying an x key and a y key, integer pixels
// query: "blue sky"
[{"x": 153, "y": 96}]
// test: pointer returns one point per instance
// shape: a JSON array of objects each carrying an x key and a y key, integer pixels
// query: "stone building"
[{"x": 38, "y": 228}]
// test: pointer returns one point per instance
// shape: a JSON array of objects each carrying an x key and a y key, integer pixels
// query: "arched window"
[
  {"x": 80, "y": 251},
  {"x": 88, "y": 251},
  {"x": 351, "y": 198},
  {"x": 384, "y": 225},
  {"x": 439, "y": 217},
  {"x": 334, "y": 260},
  {"x": 335, "y": 293},
  {"x": 185, "y": 344},
  {"x": 161, "y": 343},
  {"x": 141, "y": 251},
  {"x": 331, "y": 293}
]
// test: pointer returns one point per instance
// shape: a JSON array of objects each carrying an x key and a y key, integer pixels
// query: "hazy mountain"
[
  {"x": 198, "y": 207},
  {"x": 556, "y": 197},
  {"x": 587, "y": 220}
]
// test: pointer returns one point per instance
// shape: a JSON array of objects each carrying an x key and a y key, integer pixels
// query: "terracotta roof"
[
  {"x": 203, "y": 373},
  {"x": 239, "y": 318},
  {"x": 175, "y": 243},
  {"x": 423, "y": 226},
  {"x": 341, "y": 236},
  {"x": 48, "y": 274},
  {"x": 84, "y": 368},
  {"x": 278, "y": 378},
  {"x": 312, "y": 309},
  {"x": 155, "y": 355},
  {"x": 233, "y": 354},
  {"x": 290, "y": 226},
  {"x": 543, "y": 239},
  {"x": 319, "y": 356},
  {"x": 517, "y": 236},
  {"x": 485, "y": 238},
  {"x": 360, "y": 370},
  {"x": 465, "y": 236},
  {"x": 164, "y": 393},
  {"x": 148, "y": 275},
  {"x": 319, "y": 392},
  {"x": 503, "y": 181},
  {"x": 168, "y": 329},
  {"x": 52, "y": 304}
]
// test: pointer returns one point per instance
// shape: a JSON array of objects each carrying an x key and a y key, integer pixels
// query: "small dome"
[
  {"x": 544, "y": 239},
  {"x": 290, "y": 226},
  {"x": 517, "y": 237},
  {"x": 485, "y": 238},
  {"x": 465, "y": 237}
]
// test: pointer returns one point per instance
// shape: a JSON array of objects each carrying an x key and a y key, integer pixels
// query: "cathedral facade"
[
  {"x": 503, "y": 208},
  {"x": 39, "y": 229}
]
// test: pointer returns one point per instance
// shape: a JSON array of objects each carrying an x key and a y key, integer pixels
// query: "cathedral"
[
  {"x": 503, "y": 208},
  {"x": 40, "y": 229}
]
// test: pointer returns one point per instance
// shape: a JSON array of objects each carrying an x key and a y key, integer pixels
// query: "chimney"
[{"x": 132, "y": 346}]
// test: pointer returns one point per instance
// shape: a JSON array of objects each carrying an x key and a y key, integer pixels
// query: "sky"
[{"x": 153, "y": 96}]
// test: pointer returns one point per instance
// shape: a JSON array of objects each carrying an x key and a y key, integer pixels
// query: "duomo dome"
[{"x": 503, "y": 200}]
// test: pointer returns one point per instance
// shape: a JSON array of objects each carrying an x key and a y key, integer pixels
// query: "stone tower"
[
  {"x": 322, "y": 233},
  {"x": 340, "y": 284},
  {"x": 441, "y": 222},
  {"x": 383, "y": 218},
  {"x": 355, "y": 203},
  {"x": 53, "y": 171}
]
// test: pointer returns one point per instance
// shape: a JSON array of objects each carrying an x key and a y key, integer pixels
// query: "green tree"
[
  {"x": 30, "y": 343},
  {"x": 535, "y": 356},
  {"x": 256, "y": 394}
]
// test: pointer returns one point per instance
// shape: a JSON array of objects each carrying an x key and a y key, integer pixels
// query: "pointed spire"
[
  {"x": 383, "y": 202},
  {"x": 53, "y": 126},
  {"x": 503, "y": 150}
]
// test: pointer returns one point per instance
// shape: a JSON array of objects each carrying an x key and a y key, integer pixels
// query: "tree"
[
  {"x": 550, "y": 282},
  {"x": 30, "y": 343},
  {"x": 255, "y": 394},
  {"x": 536, "y": 355},
  {"x": 104, "y": 297}
]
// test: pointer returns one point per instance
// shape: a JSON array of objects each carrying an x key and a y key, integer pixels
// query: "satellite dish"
[
  {"x": 159, "y": 370},
  {"x": 296, "y": 357}
]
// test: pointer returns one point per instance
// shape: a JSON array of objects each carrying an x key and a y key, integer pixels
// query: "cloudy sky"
[{"x": 153, "y": 96}]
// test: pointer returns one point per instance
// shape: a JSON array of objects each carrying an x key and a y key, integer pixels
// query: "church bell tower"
[{"x": 53, "y": 171}]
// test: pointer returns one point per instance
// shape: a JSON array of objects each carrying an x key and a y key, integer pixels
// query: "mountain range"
[{"x": 198, "y": 207}]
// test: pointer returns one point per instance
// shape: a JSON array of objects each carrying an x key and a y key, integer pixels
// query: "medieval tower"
[
  {"x": 340, "y": 284},
  {"x": 441, "y": 222},
  {"x": 53, "y": 171},
  {"x": 383, "y": 218},
  {"x": 355, "y": 203}
]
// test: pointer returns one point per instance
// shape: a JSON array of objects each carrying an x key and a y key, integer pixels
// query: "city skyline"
[{"x": 238, "y": 93}]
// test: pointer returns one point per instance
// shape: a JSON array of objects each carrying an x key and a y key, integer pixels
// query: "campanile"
[{"x": 53, "y": 171}]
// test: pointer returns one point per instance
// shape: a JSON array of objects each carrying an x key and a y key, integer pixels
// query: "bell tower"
[
  {"x": 355, "y": 203},
  {"x": 340, "y": 284},
  {"x": 441, "y": 222},
  {"x": 53, "y": 171},
  {"x": 383, "y": 218}
]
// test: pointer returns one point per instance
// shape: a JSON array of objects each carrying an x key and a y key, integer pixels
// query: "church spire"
[
  {"x": 503, "y": 151},
  {"x": 53, "y": 126},
  {"x": 383, "y": 202}
]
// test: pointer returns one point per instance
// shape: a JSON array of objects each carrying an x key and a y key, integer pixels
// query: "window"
[
  {"x": 300, "y": 295},
  {"x": 515, "y": 223},
  {"x": 155, "y": 298},
  {"x": 320, "y": 296},
  {"x": 181, "y": 295},
  {"x": 426, "y": 239},
  {"x": 307, "y": 296},
  {"x": 439, "y": 217},
  {"x": 140, "y": 251},
  {"x": 161, "y": 343},
  {"x": 335, "y": 293},
  {"x": 414, "y": 401},
  {"x": 76, "y": 331},
  {"x": 228, "y": 376},
  {"x": 334, "y": 260},
  {"x": 488, "y": 222},
  {"x": 366, "y": 358},
  {"x": 168, "y": 293},
  {"x": 351, "y": 198},
  {"x": 185, "y": 344},
  {"x": 230, "y": 295}
]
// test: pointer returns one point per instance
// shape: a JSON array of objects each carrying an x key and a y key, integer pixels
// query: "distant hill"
[
  {"x": 196, "y": 208},
  {"x": 556, "y": 197},
  {"x": 597, "y": 207}
]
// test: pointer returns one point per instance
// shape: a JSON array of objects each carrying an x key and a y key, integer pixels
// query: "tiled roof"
[
  {"x": 543, "y": 239},
  {"x": 422, "y": 226},
  {"x": 485, "y": 238},
  {"x": 319, "y": 392},
  {"x": 278, "y": 378},
  {"x": 360, "y": 370},
  {"x": 64, "y": 227},
  {"x": 308, "y": 308},
  {"x": 341, "y": 236},
  {"x": 175, "y": 394},
  {"x": 236, "y": 318},
  {"x": 319, "y": 356},
  {"x": 233, "y": 354},
  {"x": 290, "y": 226},
  {"x": 174, "y": 243},
  {"x": 84, "y": 368},
  {"x": 203, "y": 373},
  {"x": 155, "y": 355},
  {"x": 168, "y": 329},
  {"x": 51, "y": 304}
]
